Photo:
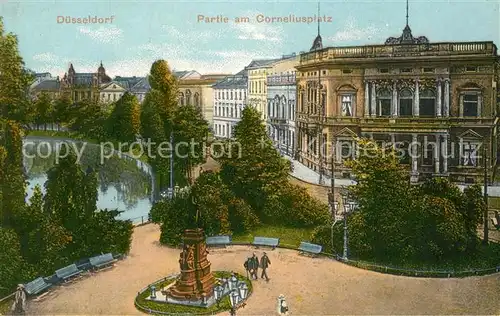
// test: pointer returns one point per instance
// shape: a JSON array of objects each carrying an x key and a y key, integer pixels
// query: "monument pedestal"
[{"x": 196, "y": 282}]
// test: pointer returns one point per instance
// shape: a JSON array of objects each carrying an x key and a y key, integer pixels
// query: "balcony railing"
[
  {"x": 280, "y": 80},
  {"x": 434, "y": 49}
]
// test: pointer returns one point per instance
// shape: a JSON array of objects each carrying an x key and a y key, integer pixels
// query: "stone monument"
[{"x": 195, "y": 285}]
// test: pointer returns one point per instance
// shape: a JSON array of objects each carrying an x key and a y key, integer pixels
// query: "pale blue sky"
[{"x": 144, "y": 31}]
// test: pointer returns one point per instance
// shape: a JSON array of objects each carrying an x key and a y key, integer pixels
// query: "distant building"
[
  {"x": 84, "y": 86},
  {"x": 230, "y": 96},
  {"x": 258, "y": 70},
  {"x": 50, "y": 86},
  {"x": 112, "y": 91},
  {"x": 140, "y": 88},
  {"x": 196, "y": 89},
  {"x": 281, "y": 106}
]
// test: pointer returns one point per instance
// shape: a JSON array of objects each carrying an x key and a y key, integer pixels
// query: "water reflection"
[{"x": 124, "y": 183}]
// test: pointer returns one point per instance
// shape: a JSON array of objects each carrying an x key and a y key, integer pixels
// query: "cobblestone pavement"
[{"x": 312, "y": 286}]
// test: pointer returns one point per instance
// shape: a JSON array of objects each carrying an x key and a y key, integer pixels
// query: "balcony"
[{"x": 389, "y": 51}]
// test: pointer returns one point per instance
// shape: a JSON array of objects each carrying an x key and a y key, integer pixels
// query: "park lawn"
[{"x": 288, "y": 236}]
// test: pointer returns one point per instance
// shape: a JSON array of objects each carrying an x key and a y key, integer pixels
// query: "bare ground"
[{"x": 318, "y": 286}]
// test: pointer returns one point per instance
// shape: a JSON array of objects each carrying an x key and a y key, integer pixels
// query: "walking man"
[
  {"x": 264, "y": 264},
  {"x": 254, "y": 266}
]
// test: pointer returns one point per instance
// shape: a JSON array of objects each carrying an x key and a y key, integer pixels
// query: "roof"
[
  {"x": 127, "y": 82},
  {"x": 232, "y": 82},
  {"x": 187, "y": 74},
  {"x": 48, "y": 85},
  {"x": 141, "y": 86},
  {"x": 84, "y": 78},
  {"x": 258, "y": 63},
  {"x": 115, "y": 82},
  {"x": 43, "y": 74}
]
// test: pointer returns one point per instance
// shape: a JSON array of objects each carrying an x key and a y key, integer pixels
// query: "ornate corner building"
[
  {"x": 436, "y": 102},
  {"x": 83, "y": 86}
]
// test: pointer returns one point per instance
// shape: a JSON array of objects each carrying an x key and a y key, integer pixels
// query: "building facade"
[
  {"x": 437, "y": 102},
  {"x": 84, "y": 86},
  {"x": 230, "y": 97},
  {"x": 281, "y": 107},
  {"x": 51, "y": 87},
  {"x": 196, "y": 89},
  {"x": 257, "y": 78},
  {"x": 111, "y": 92}
]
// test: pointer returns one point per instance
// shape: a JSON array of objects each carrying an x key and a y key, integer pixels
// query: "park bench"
[
  {"x": 308, "y": 248},
  {"x": 36, "y": 286},
  {"x": 266, "y": 241},
  {"x": 67, "y": 273},
  {"x": 102, "y": 261},
  {"x": 83, "y": 264},
  {"x": 218, "y": 241}
]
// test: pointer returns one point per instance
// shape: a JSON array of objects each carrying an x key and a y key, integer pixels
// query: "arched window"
[
  {"x": 346, "y": 100},
  {"x": 181, "y": 98},
  {"x": 384, "y": 102},
  {"x": 404, "y": 152},
  {"x": 188, "y": 97},
  {"x": 282, "y": 113},
  {"x": 427, "y": 103},
  {"x": 405, "y": 103},
  {"x": 196, "y": 99}
]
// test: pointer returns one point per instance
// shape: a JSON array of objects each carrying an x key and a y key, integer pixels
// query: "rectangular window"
[
  {"x": 405, "y": 107},
  {"x": 471, "y": 68},
  {"x": 427, "y": 70},
  {"x": 428, "y": 158},
  {"x": 346, "y": 71},
  {"x": 406, "y": 70},
  {"x": 383, "y": 70},
  {"x": 427, "y": 107},
  {"x": 469, "y": 154},
  {"x": 346, "y": 105},
  {"x": 384, "y": 107},
  {"x": 471, "y": 104}
]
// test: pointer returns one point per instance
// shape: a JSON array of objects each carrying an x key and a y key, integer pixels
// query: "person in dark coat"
[
  {"x": 254, "y": 267},
  {"x": 264, "y": 264}
]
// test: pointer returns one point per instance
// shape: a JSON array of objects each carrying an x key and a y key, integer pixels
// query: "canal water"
[{"x": 125, "y": 183}]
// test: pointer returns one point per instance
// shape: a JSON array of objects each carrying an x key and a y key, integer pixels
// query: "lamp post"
[
  {"x": 334, "y": 205},
  {"x": 233, "y": 283},
  {"x": 218, "y": 292},
  {"x": 171, "y": 186},
  {"x": 233, "y": 299},
  {"x": 485, "y": 214}
]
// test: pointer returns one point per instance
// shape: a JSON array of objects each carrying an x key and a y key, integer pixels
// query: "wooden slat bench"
[
  {"x": 218, "y": 241},
  {"x": 37, "y": 286},
  {"x": 266, "y": 241},
  {"x": 67, "y": 273},
  {"x": 308, "y": 248},
  {"x": 102, "y": 261}
]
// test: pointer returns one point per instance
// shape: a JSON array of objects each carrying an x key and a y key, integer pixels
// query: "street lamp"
[
  {"x": 218, "y": 292},
  {"x": 243, "y": 291},
  {"x": 233, "y": 283},
  {"x": 234, "y": 300},
  {"x": 334, "y": 206}
]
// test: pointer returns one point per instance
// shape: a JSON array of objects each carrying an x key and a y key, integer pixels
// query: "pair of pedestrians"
[{"x": 252, "y": 266}]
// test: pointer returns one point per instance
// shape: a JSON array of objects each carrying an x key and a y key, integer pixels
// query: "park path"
[{"x": 312, "y": 286}]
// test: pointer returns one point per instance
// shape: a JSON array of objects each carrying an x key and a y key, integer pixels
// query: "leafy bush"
[{"x": 293, "y": 206}]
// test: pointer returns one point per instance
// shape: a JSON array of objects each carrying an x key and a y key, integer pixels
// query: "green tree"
[
  {"x": 190, "y": 131},
  {"x": 124, "y": 120},
  {"x": 62, "y": 108},
  {"x": 15, "y": 79},
  {"x": 387, "y": 201},
  {"x": 90, "y": 118},
  {"x": 13, "y": 184},
  {"x": 251, "y": 166},
  {"x": 44, "y": 109},
  {"x": 13, "y": 268}
]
